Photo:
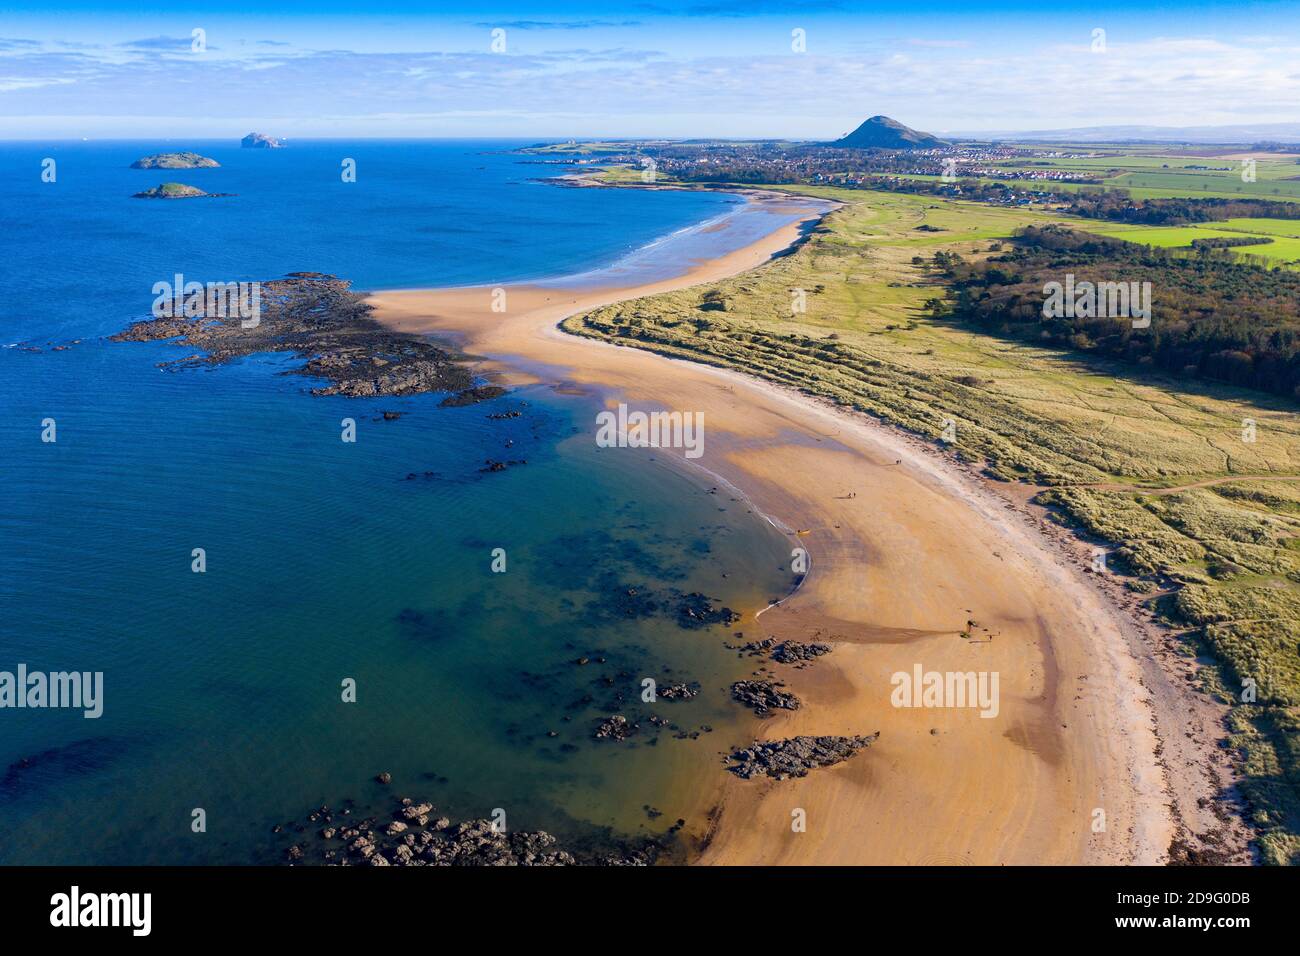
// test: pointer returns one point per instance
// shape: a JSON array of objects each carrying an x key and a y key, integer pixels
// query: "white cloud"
[
  {"x": 952, "y": 84},
  {"x": 11, "y": 83}
]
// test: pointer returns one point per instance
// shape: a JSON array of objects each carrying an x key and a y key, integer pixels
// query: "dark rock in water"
[
  {"x": 795, "y": 756},
  {"x": 763, "y": 696},
  {"x": 180, "y": 160},
  {"x": 783, "y": 652},
  {"x": 392, "y": 416},
  {"x": 260, "y": 141},
  {"x": 755, "y": 648},
  {"x": 695, "y": 610},
  {"x": 615, "y": 728},
  {"x": 492, "y": 465},
  {"x": 50, "y": 768},
  {"x": 679, "y": 691},
  {"x": 317, "y": 318},
  {"x": 791, "y": 652},
  {"x": 418, "y": 625},
  {"x": 416, "y": 838},
  {"x": 631, "y": 601},
  {"x": 385, "y": 778},
  {"x": 472, "y": 396},
  {"x": 478, "y": 843}
]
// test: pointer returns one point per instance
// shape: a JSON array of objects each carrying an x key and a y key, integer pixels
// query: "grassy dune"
[{"x": 1113, "y": 446}]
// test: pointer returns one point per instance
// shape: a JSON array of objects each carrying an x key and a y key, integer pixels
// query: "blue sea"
[{"x": 324, "y": 561}]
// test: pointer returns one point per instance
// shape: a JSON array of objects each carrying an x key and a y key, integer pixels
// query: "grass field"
[
  {"x": 1173, "y": 173},
  {"x": 1113, "y": 445},
  {"x": 1200, "y": 184},
  {"x": 1182, "y": 190},
  {"x": 1263, "y": 227},
  {"x": 1282, "y": 249}
]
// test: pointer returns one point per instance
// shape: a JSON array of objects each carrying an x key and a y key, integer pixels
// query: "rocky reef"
[
  {"x": 682, "y": 690},
  {"x": 320, "y": 320},
  {"x": 696, "y": 610},
  {"x": 763, "y": 696},
  {"x": 798, "y": 653},
  {"x": 615, "y": 728},
  {"x": 416, "y": 835},
  {"x": 795, "y": 756},
  {"x": 794, "y": 652},
  {"x": 181, "y": 160}
]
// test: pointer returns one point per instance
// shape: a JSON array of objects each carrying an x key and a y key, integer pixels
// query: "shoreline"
[{"x": 898, "y": 571}]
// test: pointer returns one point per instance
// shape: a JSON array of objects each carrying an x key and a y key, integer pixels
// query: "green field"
[
  {"x": 1149, "y": 172},
  {"x": 1188, "y": 188},
  {"x": 1263, "y": 227},
  {"x": 1220, "y": 563},
  {"x": 1283, "y": 248},
  {"x": 1201, "y": 184}
]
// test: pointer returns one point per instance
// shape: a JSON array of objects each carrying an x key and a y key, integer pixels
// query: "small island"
[
  {"x": 260, "y": 141},
  {"x": 176, "y": 191},
  {"x": 181, "y": 160}
]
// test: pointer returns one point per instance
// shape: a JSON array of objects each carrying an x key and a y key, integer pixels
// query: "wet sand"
[{"x": 897, "y": 571}]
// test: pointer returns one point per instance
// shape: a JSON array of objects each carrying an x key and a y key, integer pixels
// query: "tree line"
[{"x": 1211, "y": 317}]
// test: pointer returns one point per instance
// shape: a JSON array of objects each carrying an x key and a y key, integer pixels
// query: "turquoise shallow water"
[{"x": 324, "y": 562}]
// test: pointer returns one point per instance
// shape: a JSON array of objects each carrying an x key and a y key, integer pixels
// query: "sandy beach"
[{"x": 1066, "y": 772}]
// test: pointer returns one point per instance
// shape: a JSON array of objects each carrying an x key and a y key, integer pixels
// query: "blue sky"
[{"x": 662, "y": 68}]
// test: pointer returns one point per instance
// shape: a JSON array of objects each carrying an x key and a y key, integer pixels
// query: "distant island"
[
  {"x": 260, "y": 141},
  {"x": 176, "y": 191},
  {"x": 881, "y": 132},
  {"x": 181, "y": 160}
]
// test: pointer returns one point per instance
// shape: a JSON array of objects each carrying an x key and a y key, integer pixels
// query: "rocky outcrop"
[
  {"x": 679, "y": 691},
  {"x": 763, "y": 696},
  {"x": 793, "y": 652},
  {"x": 795, "y": 756},
  {"x": 417, "y": 837},
  {"x": 615, "y": 728},
  {"x": 783, "y": 652},
  {"x": 696, "y": 610},
  {"x": 754, "y": 648},
  {"x": 319, "y": 319},
  {"x": 181, "y": 160}
]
